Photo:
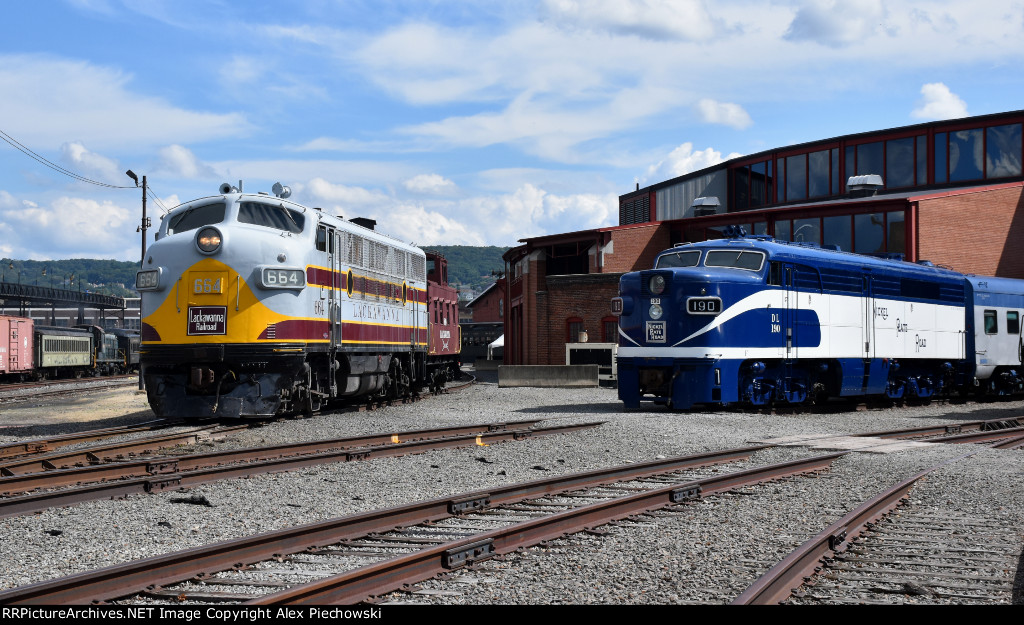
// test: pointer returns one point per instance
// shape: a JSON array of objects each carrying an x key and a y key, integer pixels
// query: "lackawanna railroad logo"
[{"x": 207, "y": 320}]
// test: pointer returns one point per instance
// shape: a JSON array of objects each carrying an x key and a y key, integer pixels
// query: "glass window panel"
[
  {"x": 817, "y": 174},
  {"x": 965, "y": 155},
  {"x": 1012, "y": 322},
  {"x": 758, "y": 185},
  {"x": 851, "y": 162},
  {"x": 897, "y": 233},
  {"x": 715, "y": 232},
  {"x": 922, "y": 160},
  {"x": 807, "y": 230},
  {"x": 796, "y": 177},
  {"x": 689, "y": 258},
  {"x": 869, "y": 159},
  {"x": 782, "y": 229},
  {"x": 1002, "y": 151},
  {"x": 740, "y": 191},
  {"x": 769, "y": 184},
  {"x": 991, "y": 322},
  {"x": 940, "y": 157},
  {"x": 835, "y": 171},
  {"x": 270, "y": 216},
  {"x": 780, "y": 178},
  {"x": 738, "y": 259},
  {"x": 195, "y": 217},
  {"x": 869, "y": 233},
  {"x": 838, "y": 232},
  {"x": 899, "y": 163},
  {"x": 760, "y": 227}
]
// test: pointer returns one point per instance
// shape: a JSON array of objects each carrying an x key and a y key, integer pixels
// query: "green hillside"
[
  {"x": 108, "y": 277},
  {"x": 470, "y": 267}
]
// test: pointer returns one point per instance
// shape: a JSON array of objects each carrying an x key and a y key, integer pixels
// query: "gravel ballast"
[{"x": 704, "y": 552}]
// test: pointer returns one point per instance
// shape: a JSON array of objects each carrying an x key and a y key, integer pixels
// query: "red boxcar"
[{"x": 15, "y": 345}]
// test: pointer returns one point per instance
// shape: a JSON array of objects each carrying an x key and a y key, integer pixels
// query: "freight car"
[
  {"x": 755, "y": 321},
  {"x": 254, "y": 305},
  {"x": 16, "y": 341}
]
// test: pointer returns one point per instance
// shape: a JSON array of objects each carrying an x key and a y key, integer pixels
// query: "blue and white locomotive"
[{"x": 751, "y": 320}]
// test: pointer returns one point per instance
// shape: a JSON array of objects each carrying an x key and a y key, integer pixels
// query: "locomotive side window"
[
  {"x": 270, "y": 216},
  {"x": 737, "y": 259},
  {"x": 196, "y": 217},
  {"x": 775, "y": 273},
  {"x": 680, "y": 259},
  {"x": 1012, "y": 322},
  {"x": 991, "y": 322}
]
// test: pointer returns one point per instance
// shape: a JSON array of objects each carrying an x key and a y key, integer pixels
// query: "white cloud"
[
  {"x": 684, "y": 160},
  {"x": 176, "y": 160},
  {"x": 724, "y": 113},
  {"x": 343, "y": 196},
  {"x": 90, "y": 164},
  {"x": 656, "y": 19},
  {"x": 493, "y": 219},
  {"x": 433, "y": 184},
  {"x": 67, "y": 227},
  {"x": 60, "y": 98},
  {"x": 938, "y": 102},
  {"x": 838, "y": 23}
]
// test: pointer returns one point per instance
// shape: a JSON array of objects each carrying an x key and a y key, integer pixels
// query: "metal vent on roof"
[
  {"x": 865, "y": 185},
  {"x": 705, "y": 206}
]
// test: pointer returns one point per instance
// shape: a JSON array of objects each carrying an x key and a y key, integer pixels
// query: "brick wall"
[
  {"x": 587, "y": 297},
  {"x": 635, "y": 248},
  {"x": 980, "y": 232},
  {"x": 486, "y": 307}
]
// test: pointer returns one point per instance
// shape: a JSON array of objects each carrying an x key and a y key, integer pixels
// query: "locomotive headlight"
[
  {"x": 208, "y": 240},
  {"x": 655, "y": 311},
  {"x": 656, "y": 284}
]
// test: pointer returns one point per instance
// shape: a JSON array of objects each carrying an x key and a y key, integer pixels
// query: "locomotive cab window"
[
  {"x": 196, "y": 217},
  {"x": 737, "y": 259},
  {"x": 1012, "y": 322},
  {"x": 679, "y": 259},
  {"x": 991, "y": 322},
  {"x": 271, "y": 216}
]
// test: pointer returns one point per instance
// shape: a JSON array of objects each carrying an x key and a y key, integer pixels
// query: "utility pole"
[{"x": 142, "y": 228}]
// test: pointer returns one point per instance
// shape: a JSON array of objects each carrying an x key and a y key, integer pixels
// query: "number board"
[
  {"x": 704, "y": 305},
  {"x": 207, "y": 282}
]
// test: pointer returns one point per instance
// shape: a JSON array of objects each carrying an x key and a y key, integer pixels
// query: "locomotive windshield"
[
  {"x": 196, "y": 217},
  {"x": 271, "y": 216},
  {"x": 737, "y": 259},
  {"x": 679, "y": 259}
]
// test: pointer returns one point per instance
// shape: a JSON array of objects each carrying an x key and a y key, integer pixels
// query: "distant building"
[
  {"x": 948, "y": 192},
  {"x": 485, "y": 321}
]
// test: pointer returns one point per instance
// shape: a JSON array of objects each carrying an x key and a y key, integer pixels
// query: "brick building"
[{"x": 947, "y": 192}]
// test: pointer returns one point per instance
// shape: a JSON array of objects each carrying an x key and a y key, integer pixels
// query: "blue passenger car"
[{"x": 757, "y": 321}]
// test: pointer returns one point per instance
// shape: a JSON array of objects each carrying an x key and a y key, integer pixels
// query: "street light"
[{"x": 142, "y": 228}]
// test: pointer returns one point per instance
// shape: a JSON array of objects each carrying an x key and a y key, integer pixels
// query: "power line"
[{"x": 36, "y": 157}]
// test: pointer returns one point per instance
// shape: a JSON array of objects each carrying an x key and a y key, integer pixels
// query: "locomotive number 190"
[{"x": 704, "y": 305}]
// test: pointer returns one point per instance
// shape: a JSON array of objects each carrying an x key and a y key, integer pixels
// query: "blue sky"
[{"x": 458, "y": 122}]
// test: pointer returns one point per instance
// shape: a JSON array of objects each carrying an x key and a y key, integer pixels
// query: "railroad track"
[
  {"x": 887, "y": 551},
  {"x": 150, "y": 475},
  {"x": 40, "y": 387},
  {"x": 366, "y": 555}
]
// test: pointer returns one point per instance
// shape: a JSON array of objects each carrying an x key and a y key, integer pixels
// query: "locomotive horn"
[
  {"x": 227, "y": 188},
  {"x": 281, "y": 191}
]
